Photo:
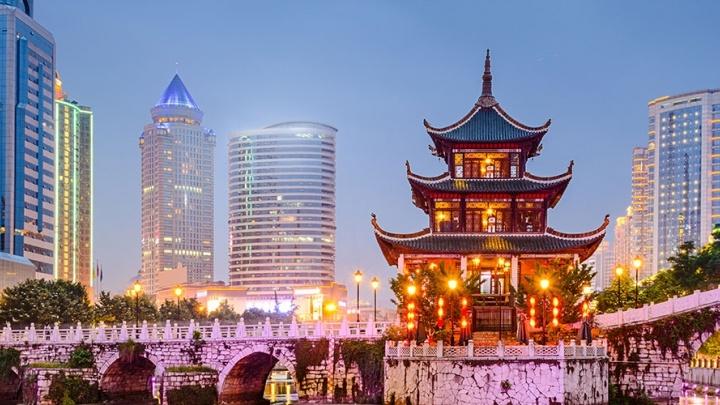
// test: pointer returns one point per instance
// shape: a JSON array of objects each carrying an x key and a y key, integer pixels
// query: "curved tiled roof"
[{"x": 427, "y": 242}]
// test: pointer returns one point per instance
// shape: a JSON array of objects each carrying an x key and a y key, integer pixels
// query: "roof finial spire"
[{"x": 486, "y": 98}]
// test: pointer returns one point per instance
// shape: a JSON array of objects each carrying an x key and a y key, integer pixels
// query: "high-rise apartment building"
[
  {"x": 640, "y": 231},
  {"x": 27, "y": 136},
  {"x": 282, "y": 208},
  {"x": 683, "y": 170},
  {"x": 603, "y": 263},
  {"x": 177, "y": 189},
  {"x": 622, "y": 244},
  {"x": 73, "y": 189}
]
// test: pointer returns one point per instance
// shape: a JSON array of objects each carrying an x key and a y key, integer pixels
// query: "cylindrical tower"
[{"x": 282, "y": 208}]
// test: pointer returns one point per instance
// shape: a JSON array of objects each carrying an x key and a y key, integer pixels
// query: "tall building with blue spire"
[
  {"x": 177, "y": 190},
  {"x": 27, "y": 144}
]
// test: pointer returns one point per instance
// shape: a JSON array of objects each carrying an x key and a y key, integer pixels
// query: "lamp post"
[
  {"x": 452, "y": 285},
  {"x": 619, "y": 270},
  {"x": 544, "y": 285},
  {"x": 178, "y": 293},
  {"x": 136, "y": 291},
  {"x": 375, "y": 283},
  {"x": 637, "y": 263},
  {"x": 358, "y": 278}
]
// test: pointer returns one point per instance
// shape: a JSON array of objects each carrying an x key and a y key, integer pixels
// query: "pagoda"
[{"x": 487, "y": 213}]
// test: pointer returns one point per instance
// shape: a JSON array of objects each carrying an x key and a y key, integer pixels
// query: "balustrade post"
[
  {"x": 573, "y": 345},
  {"x": 425, "y": 348},
  {"x": 672, "y": 304},
  {"x": 646, "y": 312},
  {"x": 696, "y": 298},
  {"x": 531, "y": 348},
  {"x": 500, "y": 349},
  {"x": 561, "y": 349},
  {"x": 470, "y": 349},
  {"x": 439, "y": 349}
]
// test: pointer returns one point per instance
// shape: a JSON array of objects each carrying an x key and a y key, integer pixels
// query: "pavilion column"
[
  {"x": 401, "y": 263},
  {"x": 514, "y": 267},
  {"x": 463, "y": 267},
  {"x": 576, "y": 260}
]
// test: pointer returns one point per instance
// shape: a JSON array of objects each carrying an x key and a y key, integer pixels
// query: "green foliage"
[
  {"x": 394, "y": 333},
  {"x": 197, "y": 336},
  {"x": 193, "y": 395},
  {"x": 620, "y": 294},
  {"x": 81, "y": 357},
  {"x": 72, "y": 390},
  {"x": 9, "y": 358},
  {"x": 252, "y": 316},
  {"x": 309, "y": 353},
  {"x": 191, "y": 369},
  {"x": 190, "y": 308},
  {"x": 224, "y": 312},
  {"x": 45, "y": 302},
  {"x": 48, "y": 364},
  {"x": 566, "y": 282},
  {"x": 711, "y": 347},
  {"x": 131, "y": 352},
  {"x": 117, "y": 308},
  {"x": 369, "y": 358}
]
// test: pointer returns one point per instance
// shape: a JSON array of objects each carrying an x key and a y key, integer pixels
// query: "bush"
[
  {"x": 72, "y": 390},
  {"x": 395, "y": 333},
  {"x": 48, "y": 364},
  {"x": 9, "y": 358},
  {"x": 130, "y": 351},
  {"x": 81, "y": 357},
  {"x": 193, "y": 395}
]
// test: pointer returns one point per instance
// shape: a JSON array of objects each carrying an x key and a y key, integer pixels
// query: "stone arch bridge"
[
  {"x": 236, "y": 359},
  {"x": 651, "y": 347}
]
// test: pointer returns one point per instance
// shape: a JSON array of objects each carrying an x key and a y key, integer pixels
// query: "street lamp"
[
  {"x": 452, "y": 286},
  {"x": 544, "y": 285},
  {"x": 136, "y": 291},
  {"x": 358, "y": 278},
  {"x": 637, "y": 263},
  {"x": 619, "y": 271},
  {"x": 375, "y": 283},
  {"x": 178, "y": 294}
]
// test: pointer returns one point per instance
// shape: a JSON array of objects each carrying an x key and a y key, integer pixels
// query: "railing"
[
  {"x": 652, "y": 312},
  {"x": 520, "y": 352},
  {"x": 174, "y": 332}
]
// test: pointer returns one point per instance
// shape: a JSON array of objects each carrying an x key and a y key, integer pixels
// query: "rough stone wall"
[
  {"x": 487, "y": 382},
  {"x": 36, "y": 385},
  {"x": 175, "y": 380},
  {"x": 640, "y": 365}
]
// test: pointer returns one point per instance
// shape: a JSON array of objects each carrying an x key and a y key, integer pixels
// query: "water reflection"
[
  {"x": 698, "y": 400},
  {"x": 280, "y": 388}
]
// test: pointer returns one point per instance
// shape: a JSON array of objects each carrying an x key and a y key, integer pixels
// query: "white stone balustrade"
[
  {"x": 531, "y": 351},
  {"x": 651, "y": 312},
  {"x": 102, "y": 333}
]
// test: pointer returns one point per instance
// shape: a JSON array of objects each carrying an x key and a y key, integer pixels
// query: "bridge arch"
[
  {"x": 138, "y": 380},
  {"x": 244, "y": 377}
]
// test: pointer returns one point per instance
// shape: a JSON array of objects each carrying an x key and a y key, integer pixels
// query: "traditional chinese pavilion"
[{"x": 487, "y": 213}]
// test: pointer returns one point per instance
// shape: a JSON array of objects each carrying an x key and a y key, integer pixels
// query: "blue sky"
[{"x": 374, "y": 70}]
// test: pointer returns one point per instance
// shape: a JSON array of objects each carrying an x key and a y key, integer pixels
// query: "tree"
[
  {"x": 45, "y": 302},
  {"x": 567, "y": 282},
  {"x": 620, "y": 295},
  {"x": 253, "y": 316},
  {"x": 190, "y": 308},
  {"x": 117, "y": 308},
  {"x": 224, "y": 313}
]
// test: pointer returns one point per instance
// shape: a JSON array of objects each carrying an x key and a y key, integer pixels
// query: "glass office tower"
[
  {"x": 282, "y": 208},
  {"x": 74, "y": 177},
  {"x": 683, "y": 170},
  {"x": 27, "y": 141},
  {"x": 177, "y": 190}
]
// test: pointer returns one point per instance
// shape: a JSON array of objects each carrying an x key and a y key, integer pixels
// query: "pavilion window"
[
  {"x": 447, "y": 216},
  {"x": 487, "y": 216},
  {"x": 530, "y": 216},
  {"x": 491, "y": 165}
]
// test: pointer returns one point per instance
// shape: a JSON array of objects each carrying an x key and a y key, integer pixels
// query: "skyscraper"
[
  {"x": 622, "y": 244},
  {"x": 27, "y": 143},
  {"x": 684, "y": 170},
  {"x": 177, "y": 189},
  {"x": 603, "y": 263},
  {"x": 640, "y": 232},
  {"x": 73, "y": 189},
  {"x": 282, "y": 207}
]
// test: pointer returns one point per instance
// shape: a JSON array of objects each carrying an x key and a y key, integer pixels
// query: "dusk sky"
[{"x": 375, "y": 70}]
